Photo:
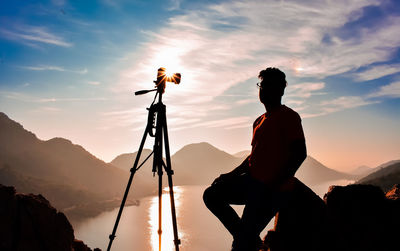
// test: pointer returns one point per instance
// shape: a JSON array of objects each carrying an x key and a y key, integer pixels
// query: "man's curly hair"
[{"x": 272, "y": 75}]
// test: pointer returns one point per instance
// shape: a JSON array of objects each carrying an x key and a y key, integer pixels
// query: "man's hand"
[
  {"x": 224, "y": 177},
  {"x": 241, "y": 169}
]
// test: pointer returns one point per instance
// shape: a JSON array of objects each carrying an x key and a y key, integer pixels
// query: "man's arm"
[
  {"x": 297, "y": 154},
  {"x": 241, "y": 169}
]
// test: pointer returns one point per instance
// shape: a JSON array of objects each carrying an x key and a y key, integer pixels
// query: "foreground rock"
[
  {"x": 29, "y": 222},
  {"x": 351, "y": 218},
  {"x": 300, "y": 225}
]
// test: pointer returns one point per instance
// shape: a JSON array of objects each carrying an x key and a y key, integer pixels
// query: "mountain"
[
  {"x": 242, "y": 154},
  {"x": 78, "y": 183},
  {"x": 194, "y": 164},
  {"x": 312, "y": 172},
  {"x": 362, "y": 171},
  {"x": 64, "y": 172},
  {"x": 201, "y": 163},
  {"x": 144, "y": 183},
  {"x": 386, "y": 164},
  {"x": 385, "y": 177},
  {"x": 125, "y": 161}
]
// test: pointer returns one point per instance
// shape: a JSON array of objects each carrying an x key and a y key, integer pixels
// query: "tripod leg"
[
  {"x": 159, "y": 210},
  {"x": 170, "y": 183},
  {"x": 157, "y": 167},
  {"x": 121, "y": 208}
]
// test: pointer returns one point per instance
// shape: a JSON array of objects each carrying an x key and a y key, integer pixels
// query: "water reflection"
[
  {"x": 199, "y": 229},
  {"x": 167, "y": 242}
]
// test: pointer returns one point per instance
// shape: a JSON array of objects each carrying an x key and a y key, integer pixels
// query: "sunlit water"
[
  {"x": 167, "y": 236},
  {"x": 198, "y": 229}
]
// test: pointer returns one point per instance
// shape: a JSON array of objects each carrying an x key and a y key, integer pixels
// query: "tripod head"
[{"x": 162, "y": 78}]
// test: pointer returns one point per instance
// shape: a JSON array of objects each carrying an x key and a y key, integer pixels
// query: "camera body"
[{"x": 163, "y": 77}]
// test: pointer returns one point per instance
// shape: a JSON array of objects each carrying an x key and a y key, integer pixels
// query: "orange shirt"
[{"x": 273, "y": 133}]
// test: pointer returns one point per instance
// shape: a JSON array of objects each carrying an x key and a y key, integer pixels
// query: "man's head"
[{"x": 272, "y": 85}]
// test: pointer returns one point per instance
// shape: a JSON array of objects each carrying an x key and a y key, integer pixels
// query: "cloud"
[
  {"x": 378, "y": 71},
  {"x": 125, "y": 118},
  {"x": 33, "y": 35},
  {"x": 337, "y": 104},
  {"x": 53, "y": 68},
  {"x": 223, "y": 45},
  {"x": 93, "y": 82},
  {"x": 58, "y": 2},
  {"x": 226, "y": 123},
  {"x": 392, "y": 90},
  {"x": 246, "y": 101},
  {"x": 46, "y": 100},
  {"x": 47, "y": 109},
  {"x": 174, "y": 5},
  {"x": 284, "y": 34},
  {"x": 304, "y": 90},
  {"x": 23, "y": 97}
]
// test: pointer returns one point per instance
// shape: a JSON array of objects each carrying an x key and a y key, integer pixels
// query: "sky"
[{"x": 70, "y": 69}]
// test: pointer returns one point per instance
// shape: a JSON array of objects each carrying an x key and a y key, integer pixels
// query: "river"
[{"x": 198, "y": 229}]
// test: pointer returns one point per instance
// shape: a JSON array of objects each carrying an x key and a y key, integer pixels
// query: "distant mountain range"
[
  {"x": 385, "y": 177},
  {"x": 201, "y": 163},
  {"x": 78, "y": 183},
  {"x": 65, "y": 173},
  {"x": 361, "y": 171}
]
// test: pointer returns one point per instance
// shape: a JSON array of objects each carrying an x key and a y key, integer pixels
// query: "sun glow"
[
  {"x": 167, "y": 241},
  {"x": 168, "y": 73},
  {"x": 169, "y": 58}
]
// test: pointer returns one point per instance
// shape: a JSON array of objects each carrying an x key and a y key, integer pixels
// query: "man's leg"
[
  {"x": 261, "y": 206},
  {"x": 218, "y": 198}
]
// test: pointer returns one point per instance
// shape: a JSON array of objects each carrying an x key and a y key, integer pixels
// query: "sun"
[
  {"x": 169, "y": 73},
  {"x": 170, "y": 59}
]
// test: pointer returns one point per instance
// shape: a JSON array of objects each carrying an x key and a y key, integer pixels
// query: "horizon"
[
  {"x": 69, "y": 69},
  {"x": 197, "y": 143}
]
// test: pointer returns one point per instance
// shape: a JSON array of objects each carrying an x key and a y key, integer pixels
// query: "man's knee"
[{"x": 209, "y": 196}]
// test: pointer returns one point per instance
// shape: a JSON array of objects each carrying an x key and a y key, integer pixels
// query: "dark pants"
[{"x": 261, "y": 205}]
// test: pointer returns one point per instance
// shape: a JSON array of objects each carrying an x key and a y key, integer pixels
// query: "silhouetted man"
[{"x": 263, "y": 181}]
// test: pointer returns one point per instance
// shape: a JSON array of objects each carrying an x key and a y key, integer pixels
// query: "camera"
[{"x": 163, "y": 76}]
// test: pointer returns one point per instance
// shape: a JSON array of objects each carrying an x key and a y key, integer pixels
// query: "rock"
[
  {"x": 394, "y": 193},
  {"x": 356, "y": 217},
  {"x": 299, "y": 225},
  {"x": 353, "y": 218},
  {"x": 29, "y": 222}
]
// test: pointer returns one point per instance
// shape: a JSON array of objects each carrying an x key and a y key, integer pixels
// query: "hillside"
[
  {"x": 78, "y": 183},
  {"x": 312, "y": 172},
  {"x": 125, "y": 161},
  {"x": 66, "y": 173},
  {"x": 362, "y": 171},
  {"x": 242, "y": 154},
  {"x": 201, "y": 163},
  {"x": 144, "y": 183},
  {"x": 194, "y": 164},
  {"x": 385, "y": 177},
  {"x": 30, "y": 222}
]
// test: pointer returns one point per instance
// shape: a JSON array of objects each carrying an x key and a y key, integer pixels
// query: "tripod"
[{"x": 157, "y": 121}]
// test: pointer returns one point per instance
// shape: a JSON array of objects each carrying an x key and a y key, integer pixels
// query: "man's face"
[{"x": 269, "y": 92}]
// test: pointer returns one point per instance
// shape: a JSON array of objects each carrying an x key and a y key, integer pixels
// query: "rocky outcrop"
[
  {"x": 29, "y": 222},
  {"x": 353, "y": 218},
  {"x": 394, "y": 193},
  {"x": 305, "y": 215}
]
